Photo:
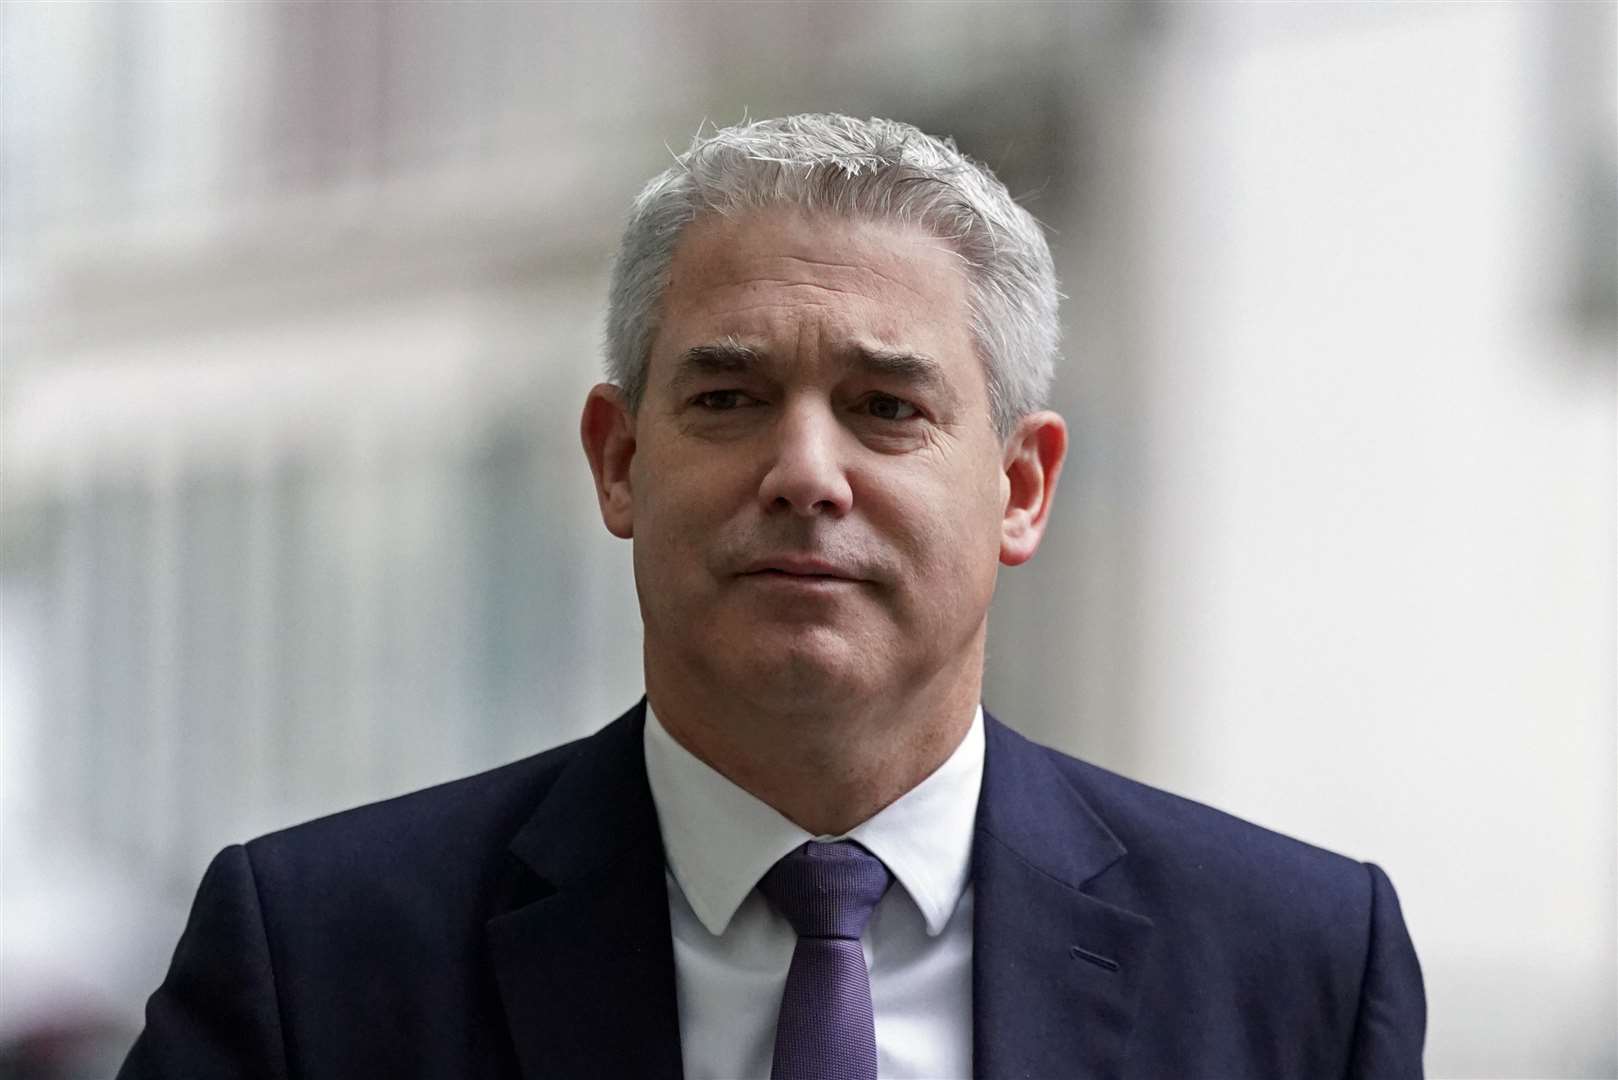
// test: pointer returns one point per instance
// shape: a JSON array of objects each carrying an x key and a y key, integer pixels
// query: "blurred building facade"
[{"x": 300, "y": 303}]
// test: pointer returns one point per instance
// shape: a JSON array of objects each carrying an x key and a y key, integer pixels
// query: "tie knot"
[{"x": 826, "y": 890}]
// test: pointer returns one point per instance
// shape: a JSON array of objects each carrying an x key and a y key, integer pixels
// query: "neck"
[{"x": 825, "y": 767}]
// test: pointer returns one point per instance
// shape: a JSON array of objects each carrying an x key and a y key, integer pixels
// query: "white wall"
[{"x": 1378, "y": 575}]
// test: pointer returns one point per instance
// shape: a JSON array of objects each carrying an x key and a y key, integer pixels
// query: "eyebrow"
[
  {"x": 916, "y": 369},
  {"x": 723, "y": 357},
  {"x": 731, "y": 357}
]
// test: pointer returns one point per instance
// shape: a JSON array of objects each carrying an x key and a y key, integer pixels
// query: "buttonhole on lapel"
[{"x": 1095, "y": 958}]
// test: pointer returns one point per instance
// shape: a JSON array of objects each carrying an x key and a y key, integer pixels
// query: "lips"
[{"x": 801, "y": 566}]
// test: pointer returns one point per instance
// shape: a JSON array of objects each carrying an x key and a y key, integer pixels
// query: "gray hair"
[{"x": 869, "y": 169}]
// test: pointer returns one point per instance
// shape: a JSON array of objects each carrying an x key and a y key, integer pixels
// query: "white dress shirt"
[{"x": 731, "y": 950}]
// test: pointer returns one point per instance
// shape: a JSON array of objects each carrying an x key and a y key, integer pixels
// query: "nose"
[{"x": 806, "y": 475}]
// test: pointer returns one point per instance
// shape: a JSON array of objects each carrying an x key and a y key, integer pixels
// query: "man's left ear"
[{"x": 1033, "y": 462}]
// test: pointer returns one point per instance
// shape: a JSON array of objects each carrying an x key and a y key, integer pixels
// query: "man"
[{"x": 808, "y": 851}]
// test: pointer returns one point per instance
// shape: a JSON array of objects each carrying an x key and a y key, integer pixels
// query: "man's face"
[{"x": 816, "y": 490}]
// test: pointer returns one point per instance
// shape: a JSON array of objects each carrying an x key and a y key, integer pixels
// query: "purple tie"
[{"x": 826, "y": 1030}]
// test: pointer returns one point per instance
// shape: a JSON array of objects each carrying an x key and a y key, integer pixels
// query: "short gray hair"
[{"x": 867, "y": 169}]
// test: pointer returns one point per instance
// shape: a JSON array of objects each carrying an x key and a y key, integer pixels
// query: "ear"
[
  {"x": 608, "y": 430},
  {"x": 1033, "y": 461}
]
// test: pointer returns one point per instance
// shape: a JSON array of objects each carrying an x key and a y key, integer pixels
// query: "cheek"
[
  {"x": 952, "y": 536},
  {"x": 681, "y": 513},
  {"x": 666, "y": 490},
  {"x": 976, "y": 536}
]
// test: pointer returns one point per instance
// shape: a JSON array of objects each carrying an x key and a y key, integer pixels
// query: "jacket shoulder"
[
  {"x": 1256, "y": 932},
  {"x": 418, "y": 866},
  {"x": 1151, "y": 821},
  {"x": 1198, "y": 864},
  {"x": 473, "y": 812},
  {"x": 374, "y": 911}
]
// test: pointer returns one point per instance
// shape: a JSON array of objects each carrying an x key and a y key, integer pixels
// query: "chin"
[{"x": 811, "y": 670}]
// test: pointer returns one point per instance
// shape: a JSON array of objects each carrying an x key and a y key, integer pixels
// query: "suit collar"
[
  {"x": 598, "y": 809},
  {"x": 719, "y": 839},
  {"x": 583, "y": 957},
  {"x": 1056, "y": 973},
  {"x": 1034, "y": 810}
]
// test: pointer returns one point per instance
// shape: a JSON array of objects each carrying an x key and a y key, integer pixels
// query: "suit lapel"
[
  {"x": 1056, "y": 973},
  {"x": 583, "y": 958}
]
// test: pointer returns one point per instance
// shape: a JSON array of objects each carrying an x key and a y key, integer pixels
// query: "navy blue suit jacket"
[{"x": 515, "y": 924}]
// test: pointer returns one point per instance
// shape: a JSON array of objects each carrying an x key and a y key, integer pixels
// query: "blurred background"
[{"x": 301, "y": 301}]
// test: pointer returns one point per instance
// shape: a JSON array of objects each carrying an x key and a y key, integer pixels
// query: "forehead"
[{"x": 782, "y": 279}]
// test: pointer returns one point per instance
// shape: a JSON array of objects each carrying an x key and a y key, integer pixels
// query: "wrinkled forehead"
[{"x": 779, "y": 272}]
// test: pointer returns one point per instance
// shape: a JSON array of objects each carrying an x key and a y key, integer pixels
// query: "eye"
[
  {"x": 888, "y": 407},
  {"x": 720, "y": 400}
]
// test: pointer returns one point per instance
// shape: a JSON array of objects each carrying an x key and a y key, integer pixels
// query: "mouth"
[
  {"x": 786, "y": 576},
  {"x": 796, "y": 570},
  {"x": 780, "y": 586}
]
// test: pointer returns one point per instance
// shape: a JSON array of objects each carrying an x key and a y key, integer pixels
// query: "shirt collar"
[{"x": 720, "y": 839}]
